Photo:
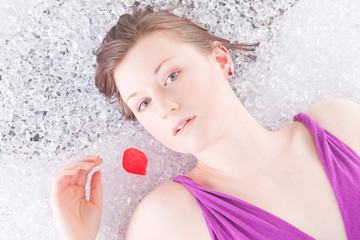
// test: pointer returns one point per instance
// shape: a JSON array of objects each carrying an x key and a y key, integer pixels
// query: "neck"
[{"x": 242, "y": 148}]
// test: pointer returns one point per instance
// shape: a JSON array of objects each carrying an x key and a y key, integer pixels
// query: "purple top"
[{"x": 228, "y": 217}]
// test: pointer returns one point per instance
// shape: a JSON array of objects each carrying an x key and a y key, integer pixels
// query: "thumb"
[{"x": 96, "y": 189}]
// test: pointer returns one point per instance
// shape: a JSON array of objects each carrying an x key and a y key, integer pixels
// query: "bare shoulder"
[
  {"x": 341, "y": 117},
  {"x": 163, "y": 213}
]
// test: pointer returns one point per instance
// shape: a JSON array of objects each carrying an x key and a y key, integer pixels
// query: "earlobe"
[{"x": 230, "y": 73}]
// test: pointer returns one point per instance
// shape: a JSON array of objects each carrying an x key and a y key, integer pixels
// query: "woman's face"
[{"x": 165, "y": 82}]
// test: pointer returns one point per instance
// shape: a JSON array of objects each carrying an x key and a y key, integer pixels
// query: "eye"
[
  {"x": 171, "y": 77},
  {"x": 144, "y": 103}
]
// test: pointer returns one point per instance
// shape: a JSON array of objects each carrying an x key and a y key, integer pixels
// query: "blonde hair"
[{"x": 130, "y": 29}]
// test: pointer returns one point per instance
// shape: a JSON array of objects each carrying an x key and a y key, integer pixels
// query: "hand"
[{"x": 76, "y": 217}]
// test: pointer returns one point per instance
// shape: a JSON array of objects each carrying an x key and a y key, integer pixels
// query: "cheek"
[
  {"x": 162, "y": 131},
  {"x": 151, "y": 126},
  {"x": 190, "y": 91},
  {"x": 199, "y": 90}
]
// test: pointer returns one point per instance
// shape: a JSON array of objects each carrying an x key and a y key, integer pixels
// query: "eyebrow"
[{"x": 155, "y": 72}]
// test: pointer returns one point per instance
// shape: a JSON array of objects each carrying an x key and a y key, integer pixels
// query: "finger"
[
  {"x": 96, "y": 188},
  {"x": 84, "y": 168},
  {"x": 60, "y": 181},
  {"x": 63, "y": 175},
  {"x": 79, "y": 162},
  {"x": 90, "y": 158},
  {"x": 55, "y": 188},
  {"x": 83, "y": 175},
  {"x": 67, "y": 176},
  {"x": 74, "y": 173},
  {"x": 79, "y": 165}
]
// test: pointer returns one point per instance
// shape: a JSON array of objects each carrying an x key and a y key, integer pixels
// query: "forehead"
[{"x": 140, "y": 62}]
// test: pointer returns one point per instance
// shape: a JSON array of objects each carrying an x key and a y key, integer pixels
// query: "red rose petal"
[{"x": 134, "y": 161}]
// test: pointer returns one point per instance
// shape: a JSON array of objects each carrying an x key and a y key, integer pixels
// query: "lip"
[{"x": 191, "y": 118}]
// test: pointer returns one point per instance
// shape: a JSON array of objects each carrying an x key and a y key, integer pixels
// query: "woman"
[{"x": 300, "y": 182}]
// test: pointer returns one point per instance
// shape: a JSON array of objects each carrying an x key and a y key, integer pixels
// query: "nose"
[{"x": 167, "y": 107}]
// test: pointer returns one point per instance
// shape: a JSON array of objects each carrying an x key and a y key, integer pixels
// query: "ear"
[{"x": 221, "y": 56}]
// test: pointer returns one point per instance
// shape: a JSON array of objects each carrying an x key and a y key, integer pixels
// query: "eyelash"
[{"x": 172, "y": 74}]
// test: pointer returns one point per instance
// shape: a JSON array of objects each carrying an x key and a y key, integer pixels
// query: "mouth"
[{"x": 182, "y": 124}]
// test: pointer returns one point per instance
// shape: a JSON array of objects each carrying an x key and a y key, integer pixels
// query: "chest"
[{"x": 300, "y": 195}]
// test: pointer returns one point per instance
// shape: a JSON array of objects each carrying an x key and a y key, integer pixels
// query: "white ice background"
[{"x": 51, "y": 113}]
